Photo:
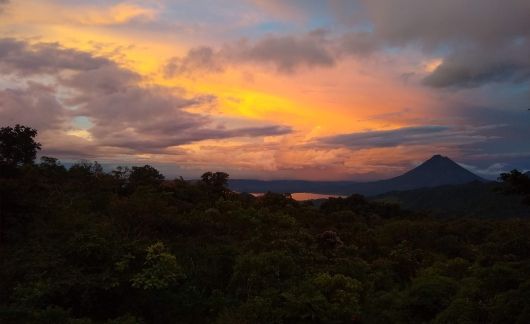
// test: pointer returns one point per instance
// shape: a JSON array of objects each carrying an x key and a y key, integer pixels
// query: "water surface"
[{"x": 301, "y": 196}]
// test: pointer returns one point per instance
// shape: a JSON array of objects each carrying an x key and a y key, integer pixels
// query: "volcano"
[{"x": 437, "y": 171}]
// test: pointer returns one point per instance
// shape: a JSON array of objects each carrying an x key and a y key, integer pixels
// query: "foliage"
[
  {"x": 80, "y": 245},
  {"x": 160, "y": 271},
  {"x": 517, "y": 183},
  {"x": 476, "y": 199},
  {"x": 17, "y": 145}
]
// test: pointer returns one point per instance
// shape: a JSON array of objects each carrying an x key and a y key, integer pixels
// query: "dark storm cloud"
[
  {"x": 473, "y": 68},
  {"x": 286, "y": 54},
  {"x": 406, "y": 136},
  {"x": 439, "y": 22},
  {"x": 469, "y": 74},
  {"x": 481, "y": 41},
  {"x": 197, "y": 59},
  {"x": 386, "y": 138},
  {"x": 358, "y": 43},
  {"x": 486, "y": 40},
  {"x": 22, "y": 58}
]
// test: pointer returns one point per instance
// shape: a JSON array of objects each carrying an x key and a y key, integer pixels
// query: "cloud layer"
[
  {"x": 303, "y": 88},
  {"x": 486, "y": 41},
  {"x": 410, "y": 136},
  {"x": 124, "y": 114},
  {"x": 285, "y": 54}
]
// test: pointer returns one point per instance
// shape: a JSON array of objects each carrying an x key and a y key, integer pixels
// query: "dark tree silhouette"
[
  {"x": 517, "y": 183},
  {"x": 215, "y": 179},
  {"x": 329, "y": 240},
  {"x": 145, "y": 176},
  {"x": 18, "y": 145},
  {"x": 215, "y": 184},
  {"x": 82, "y": 245}
]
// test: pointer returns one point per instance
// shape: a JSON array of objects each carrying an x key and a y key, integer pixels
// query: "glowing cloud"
[{"x": 271, "y": 89}]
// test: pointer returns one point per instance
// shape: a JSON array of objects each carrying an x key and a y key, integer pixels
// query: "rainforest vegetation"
[{"x": 80, "y": 245}]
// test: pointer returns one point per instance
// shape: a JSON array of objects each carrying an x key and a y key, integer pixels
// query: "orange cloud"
[
  {"x": 314, "y": 99},
  {"x": 37, "y": 12}
]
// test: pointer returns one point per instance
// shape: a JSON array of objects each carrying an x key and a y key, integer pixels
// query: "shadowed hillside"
[
  {"x": 82, "y": 246},
  {"x": 477, "y": 199},
  {"x": 436, "y": 171}
]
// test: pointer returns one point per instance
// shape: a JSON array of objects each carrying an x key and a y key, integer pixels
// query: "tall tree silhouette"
[
  {"x": 145, "y": 176},
  {"x": 517, "y": 183},
  {"x": 18, "y": 145}
]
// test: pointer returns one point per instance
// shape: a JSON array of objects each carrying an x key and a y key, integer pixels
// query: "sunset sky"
[{"x": 271, "y": 89}]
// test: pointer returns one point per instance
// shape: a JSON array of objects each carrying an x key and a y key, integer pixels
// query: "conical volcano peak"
[
  {"x": 440, "y": 161},
  {"x": 439, "y": 157},
  {"x": 438, "y": 170}
]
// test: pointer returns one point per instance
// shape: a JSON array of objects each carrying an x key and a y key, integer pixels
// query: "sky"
[{"x": 271, "y": 89}]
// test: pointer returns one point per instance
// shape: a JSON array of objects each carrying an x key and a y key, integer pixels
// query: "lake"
[{"x": 301, "y": 196}]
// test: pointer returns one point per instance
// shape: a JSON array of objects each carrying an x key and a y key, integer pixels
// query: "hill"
[
  {"x": 81, "y": 245},
  {"x": 476, "y": 199},
  {"x": 436, "y": 171}
]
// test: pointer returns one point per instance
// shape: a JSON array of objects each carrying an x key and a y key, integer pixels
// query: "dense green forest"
[
  {"x": 81, "y": 245},
  {"x": 476, "y": 199}
]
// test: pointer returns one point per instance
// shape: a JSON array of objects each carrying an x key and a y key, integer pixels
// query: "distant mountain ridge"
[
  {"x": 436, "y": 171},
  {"x": 476, "y": 199}
]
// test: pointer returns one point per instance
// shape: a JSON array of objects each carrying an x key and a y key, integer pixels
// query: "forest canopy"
[{"x": 81, "y": 245}]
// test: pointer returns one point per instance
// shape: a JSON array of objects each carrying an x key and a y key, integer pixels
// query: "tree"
[
  {"x": 51, "y": 166},
  {"x": 215, "y": 179},
  {"x": 427, "y": 297},
  {"x": 324, "y": 298},
  {"x": 161, "y": 269},
  {"x": 517, "y": 183},
  {"x": 329, "y": 240},
  {"x": 145, "y": 176},
  {"x": 215, "y": 183},
  {"x": 17, "y": 145}
]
